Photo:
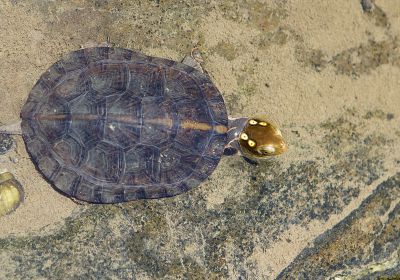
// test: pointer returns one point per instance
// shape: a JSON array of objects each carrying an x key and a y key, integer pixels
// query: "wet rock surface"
[
  {"x": 364, "y": 245},
  {"x": 328, "y": 208}
]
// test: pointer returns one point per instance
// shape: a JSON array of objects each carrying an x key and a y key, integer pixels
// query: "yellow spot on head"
[
  {"x": 252, "y": 122},
  {"x": 251, "y": 143},
  {"x": 244, "y": 136},
  {"x": 263, "y": 123}
]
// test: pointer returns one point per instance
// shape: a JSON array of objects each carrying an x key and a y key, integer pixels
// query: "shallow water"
[{"x": 326, "y": 72}]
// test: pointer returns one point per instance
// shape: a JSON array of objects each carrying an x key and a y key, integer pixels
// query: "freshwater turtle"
[{"x": 108, "y": 125}]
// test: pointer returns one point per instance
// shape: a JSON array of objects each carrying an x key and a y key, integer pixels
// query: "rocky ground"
[{"x": 326, "y": 71}]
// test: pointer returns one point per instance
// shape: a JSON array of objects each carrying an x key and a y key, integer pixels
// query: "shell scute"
[
  {"x": 70, "y": 88},
  {"x": 70, "y": 150},
  {"x": 105, "y": 79}
]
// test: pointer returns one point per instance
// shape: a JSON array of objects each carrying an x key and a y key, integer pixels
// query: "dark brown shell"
[{"x": 107, "y": 125}]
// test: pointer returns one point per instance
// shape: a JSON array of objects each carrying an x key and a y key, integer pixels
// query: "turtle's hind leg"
[
  {"x": 13, "y": 128},
  {"x": 6, "y": 140}
]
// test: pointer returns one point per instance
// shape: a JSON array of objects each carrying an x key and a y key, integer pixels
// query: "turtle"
[{"x": 111, "y": 125}]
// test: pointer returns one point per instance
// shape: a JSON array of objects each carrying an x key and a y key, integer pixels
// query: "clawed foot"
[{"x": 194, "y": 59}]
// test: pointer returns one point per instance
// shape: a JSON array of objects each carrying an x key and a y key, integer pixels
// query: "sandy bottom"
[{"x": 300, "y": 63}]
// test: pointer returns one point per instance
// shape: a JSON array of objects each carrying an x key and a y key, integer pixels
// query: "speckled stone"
[
  {"x": 365, "y": 245},
  {"x": 6, "y": 143}
]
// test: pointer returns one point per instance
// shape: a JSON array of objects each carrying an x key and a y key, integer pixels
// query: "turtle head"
[{"x": 260, "y": 139}]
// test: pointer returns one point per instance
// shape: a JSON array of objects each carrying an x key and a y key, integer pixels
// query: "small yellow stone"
[{"x": 11, "y": 194}]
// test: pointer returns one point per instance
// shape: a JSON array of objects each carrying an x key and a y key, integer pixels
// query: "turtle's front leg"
[
  {"x": 194, "y": 60},
  {"x": 231, "y": 149}
]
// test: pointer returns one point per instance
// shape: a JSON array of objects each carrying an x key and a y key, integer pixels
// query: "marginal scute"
[
  {"x": 96, "y": 54},
  {"x": 29, "y": 132},
  {"x": 74, "y": 61},
  {"x": 53, "y": 75},
  {"x": 48, "y": 166},
  {"x": 30, "y": 109},
  {"x": 38, "y": 148},
  {"x": 156, "y": 191},
  {"x": 86, "y": 191},
  {"x": 39, "y": 92},
  {"x": 119, "y": 54},
  {"x": 107, "y": 125},
  {"x": 65, "y": 180},
  {"x": 138, "y": 57},
  {"x": 205, "y": 166},
  {"x": 112, "y": 195},
  {"x": 210, "y": 91},
  {"x": 134, "y": 193},
  {"x": 162, "y": 61}
]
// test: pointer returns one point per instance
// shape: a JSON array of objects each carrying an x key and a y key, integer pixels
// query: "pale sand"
[{"x": 300, "y": 97}]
